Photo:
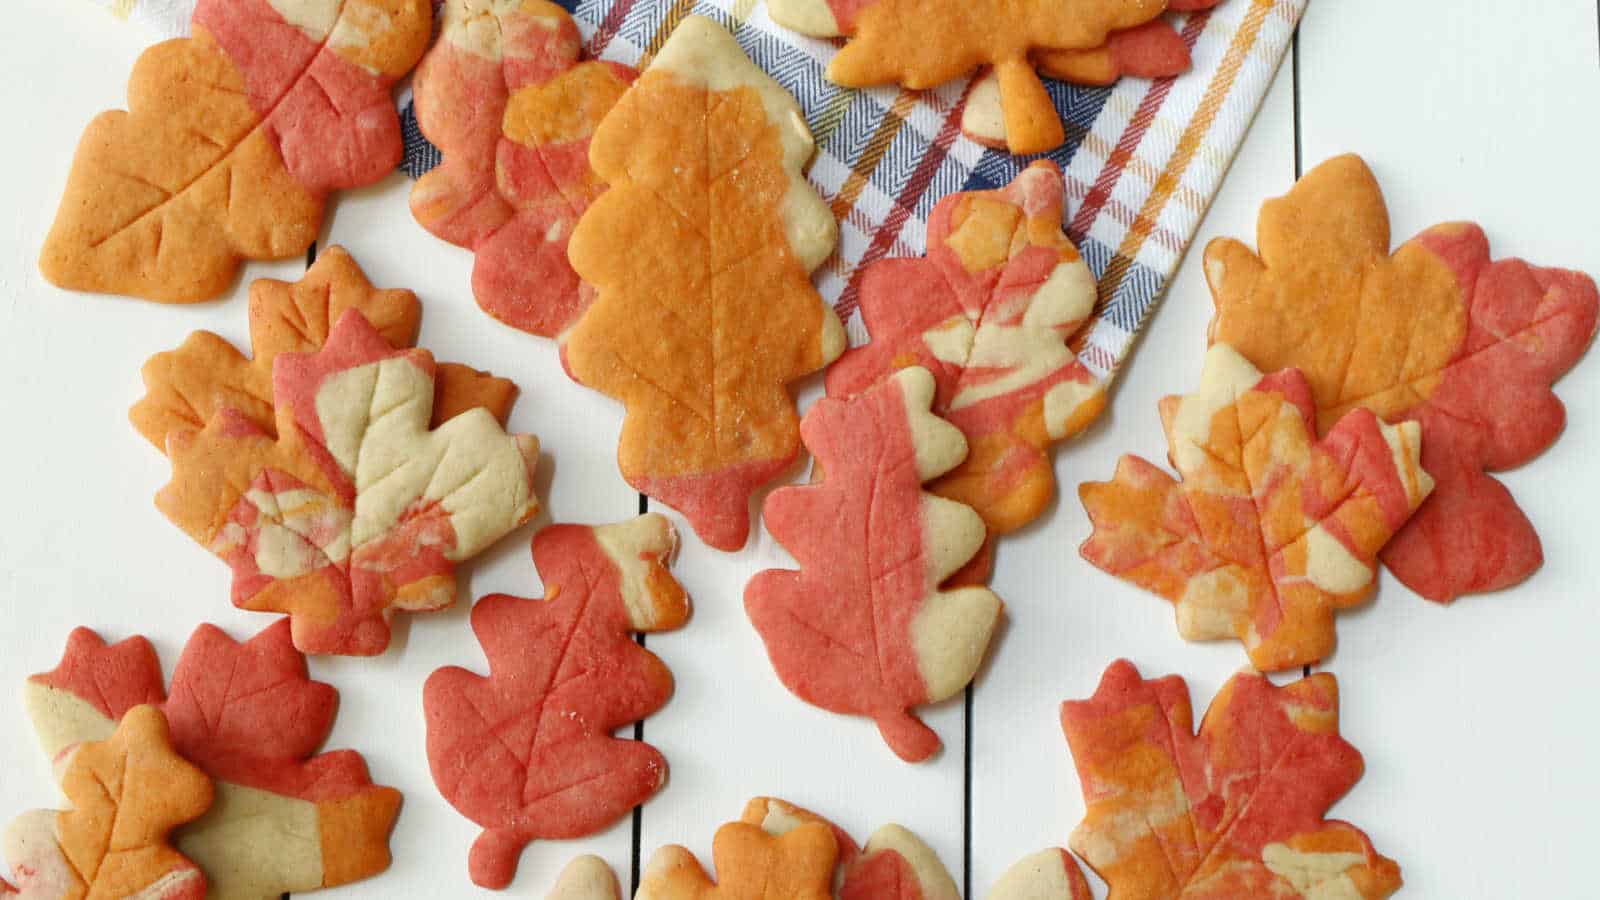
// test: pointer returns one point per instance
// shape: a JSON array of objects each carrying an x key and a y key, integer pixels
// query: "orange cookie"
[
  {"x": 128, "y": 792},
  {"x": 919, "y": 44},
  {"x": 233, "y": 140},
  {"x": 1151, "y": 50},
  {"x": 752, "y": 864},
  {"x": 701, "y": 252},
  {"x": 1436, "y": 333}
]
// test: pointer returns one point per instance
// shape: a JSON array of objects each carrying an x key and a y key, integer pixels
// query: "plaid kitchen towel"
[{"x": 1143, "y": 159}]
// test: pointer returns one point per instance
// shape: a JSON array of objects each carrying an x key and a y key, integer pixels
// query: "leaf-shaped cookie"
[
  {"x": 503, "y": 95},
  {"x": 527, "y": 751},
  {"x": 1236, "y": 811},
  {"x": 286, "y": 818},
  {"x": 188, "y": 387},
  {"x": 989, "y": 312},
  {"x": 1436, "y": 334},
  {"x": 922, "y": 45},
  {"x": 864, "y": 628},
  {"x": 1270, "y": 531},
  {"x": 701, "y": 252},
  {"x": 356, "y": 508},
  {"x": 127, "y": 793},
  {"x": 752, "y": 864},
  {"x": 232, "y": 140},
  {"x": 1151, "y": 50}
]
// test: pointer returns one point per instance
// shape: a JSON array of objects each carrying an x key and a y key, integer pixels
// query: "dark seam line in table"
[
  {"x": 638, "y": 735},
  {"x": 1294, "y": 72},
  {"x": 966, "y": 799},
  {"x": 311, "y": 255},
  {"x": 1299, "y": 154}
]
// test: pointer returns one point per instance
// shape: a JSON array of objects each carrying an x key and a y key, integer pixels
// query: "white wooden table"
[{"x": 1477, "y": 721}]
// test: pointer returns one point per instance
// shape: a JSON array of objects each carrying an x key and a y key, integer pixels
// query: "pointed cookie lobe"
[
  {"x": 527, "y": 752},
  {"x": 701, "y": 252},
  {"x": 863, "y": 627},
  {"x": 1435, "y": 333},
  {"x": 1270, "y": 531}
]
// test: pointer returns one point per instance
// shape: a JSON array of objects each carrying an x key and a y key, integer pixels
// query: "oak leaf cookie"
[
  {"x": 503, "y": 96},
  {"x": 528, "y": 752},
  {"x": 355, "y": 507},
  {"x": 188, "y": 387},
  {"x": 701, "y": 253},
  {"x": 1437, "y": 334},
  {"x": 286, "y": 818},
  {"x": 863, "y": 627},
  {"x": 232, "y": 141},
  {"x": 990, "y": 312},
  {"x": 921, "y": 45},
  {"x": 1235, "y": 811},
  {"x": 1151, "y": 50},
  {"x": 1270, "y": 531},
  {"x": 128, "y": 792}
]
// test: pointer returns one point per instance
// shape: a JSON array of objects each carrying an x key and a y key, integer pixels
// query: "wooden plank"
[{"x": 1480, "y": 772}]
